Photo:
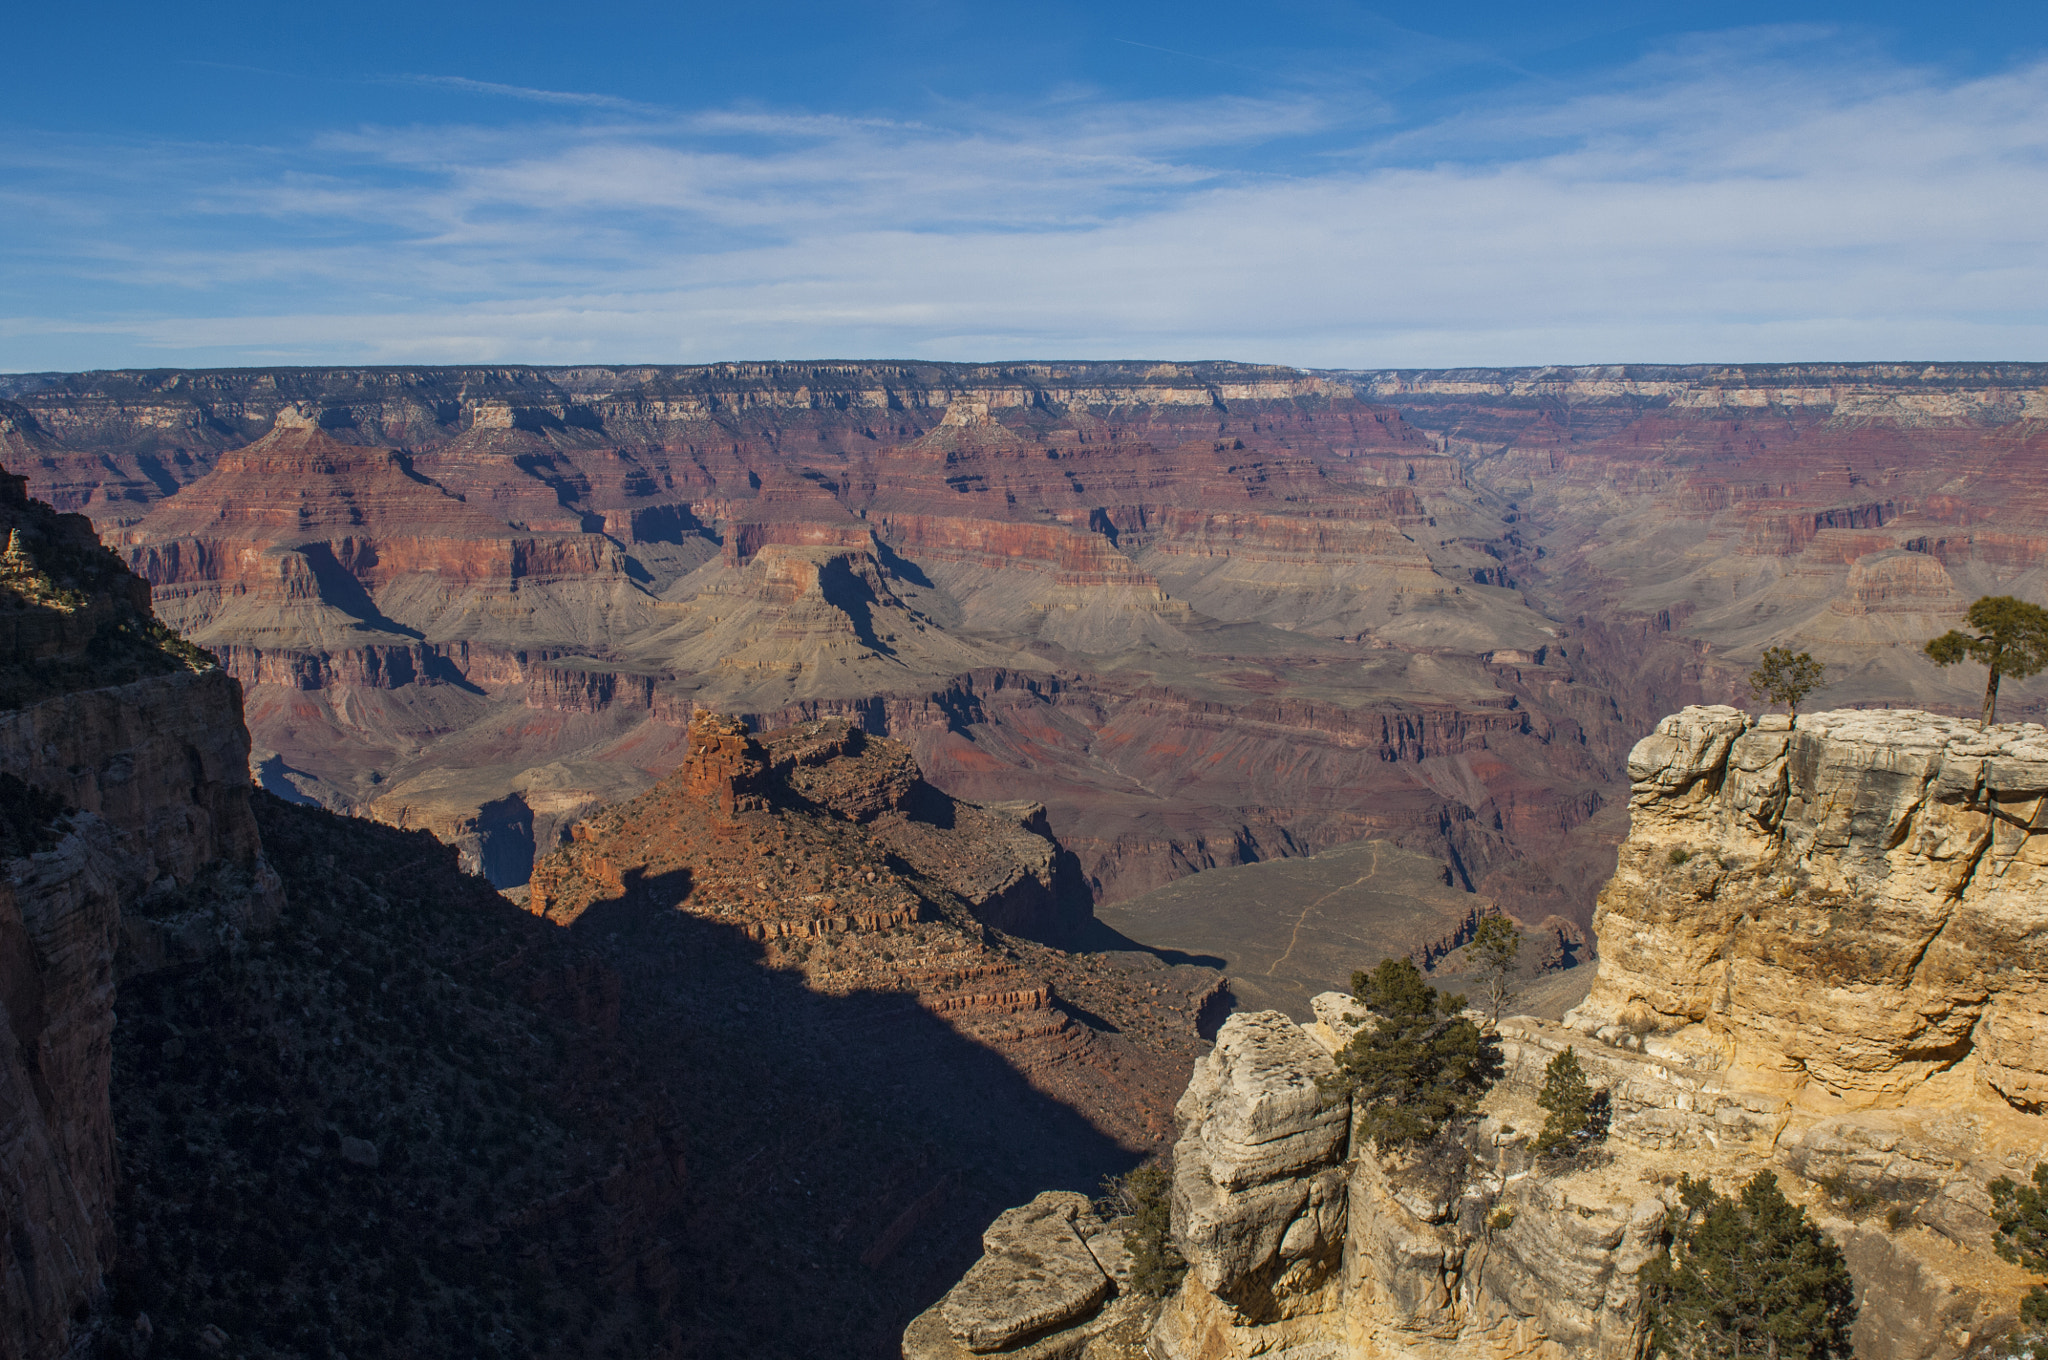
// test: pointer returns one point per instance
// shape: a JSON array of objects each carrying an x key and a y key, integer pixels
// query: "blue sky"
[{"x": 1314, "y": 183}]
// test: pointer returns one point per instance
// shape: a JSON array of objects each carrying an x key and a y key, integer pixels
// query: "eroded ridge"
[{"x": 828, "y": 848}]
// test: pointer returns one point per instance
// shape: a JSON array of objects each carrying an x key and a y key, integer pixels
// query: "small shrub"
[
  {"x": 1503, "y": 1220},
  {"x": 1853, "y": 1199},
  {"x": 1679, "y": 854},
  {"x": 1145, "y": 1199}
]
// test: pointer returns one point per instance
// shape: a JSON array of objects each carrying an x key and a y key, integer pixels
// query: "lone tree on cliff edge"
[
  {"x": 2011, "y": 639},
  {"x": 1495, "y": 947},
  {"x": 1787, "y": 677},
  {"x": 1747, "y": 1276}
]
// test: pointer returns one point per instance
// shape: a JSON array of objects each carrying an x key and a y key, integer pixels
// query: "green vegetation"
[
  {"x": 1421, "y": 1065},
  {"x": 1787, "y": 677},
  {"x": 1495, "y": 948},
  {"x": 1145, "y": 1199},
  {"x": 1679, "y": 855},
  {"x": 2011, "y": 639},
  {"x": 1747, "y": 1277},
  {"x": 1578, "y": 1114},
  {"x": 2021, "y": 1212}
]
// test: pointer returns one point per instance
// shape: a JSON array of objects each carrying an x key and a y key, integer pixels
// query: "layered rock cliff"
[
  {"x": 445, "y": 588},
  {"x": 1818, "y": 957}
]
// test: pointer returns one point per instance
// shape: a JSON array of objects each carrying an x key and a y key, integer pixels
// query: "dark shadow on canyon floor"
[{"x": 421, "y": 1121}]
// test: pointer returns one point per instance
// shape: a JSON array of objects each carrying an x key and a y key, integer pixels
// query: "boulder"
[{"x": 1036, "y": 1273}]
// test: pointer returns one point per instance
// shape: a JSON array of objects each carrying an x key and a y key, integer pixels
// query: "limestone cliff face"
[
  {"x": 1848, "y": 912},
  {"x": 163, "y": 764},
  {"x": 59, "y": 920},
  {"x": 1819, "y": 955}
]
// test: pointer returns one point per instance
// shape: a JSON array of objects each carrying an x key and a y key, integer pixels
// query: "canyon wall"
[
  {"x": 1203, "y": 613},
  {"x": 1818, "y": 957},
  {"x": 129, "y": 844},
  {"x": 445, "y": 588},
  {"x": 392, "y": 1108}
]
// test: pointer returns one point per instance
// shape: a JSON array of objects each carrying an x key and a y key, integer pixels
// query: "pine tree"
[
  {"x": 1575, "y": 1107},
  {"x": 1785, "y": 677},
  {"x": 1495, "y": 947},
  {"x": 1747, "y": 1277},
  {"x": 2021, "y": 1212},
  {"x": 1420, "y": 1065},
  {"x": 2011, "y": 639},
  {"x": 1145, "y": 1199}
]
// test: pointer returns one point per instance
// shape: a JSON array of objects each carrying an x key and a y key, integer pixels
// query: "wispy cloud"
[
  {"x": 1719, "y": 201},
  {"x": 581, "y": 99}
]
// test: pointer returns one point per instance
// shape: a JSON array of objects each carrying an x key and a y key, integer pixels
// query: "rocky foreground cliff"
[{"x": 1820, "y": 955}]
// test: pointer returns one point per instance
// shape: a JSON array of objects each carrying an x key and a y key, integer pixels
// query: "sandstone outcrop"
[
  {"x": 1036, "y": 1272},
  {"x": 1257, "y": 1207},
  {"x": 1816, "y": 960},
  {"x": 1846, "y": 911}
]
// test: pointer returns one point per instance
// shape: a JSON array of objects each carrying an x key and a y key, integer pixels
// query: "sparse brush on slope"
[
  {"x": 2021, "y": 1212},
  {"x": 359, "y": 1136}
]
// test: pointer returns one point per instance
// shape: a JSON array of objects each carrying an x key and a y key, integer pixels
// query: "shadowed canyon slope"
[{"x": 1205, "y": 613}]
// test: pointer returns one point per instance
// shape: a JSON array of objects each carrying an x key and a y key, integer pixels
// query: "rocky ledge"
[
  {"x": 1820, "y": 955},
  {"x": 1850, "y": 911}
]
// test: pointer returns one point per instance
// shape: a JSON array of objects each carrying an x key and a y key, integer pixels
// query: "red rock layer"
[
  {"x": 555, "y": 534},
  {"x": 814, "y": 841}
]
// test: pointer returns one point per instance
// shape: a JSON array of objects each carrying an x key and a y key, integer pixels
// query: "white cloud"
[{"x": 1705, "y": 205}]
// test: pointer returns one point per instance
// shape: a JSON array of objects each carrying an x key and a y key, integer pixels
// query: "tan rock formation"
[
  {"x": 1047, "y": 1287},
  {"x": 1817, "y": 959},
  {"x": 1849, "y": 912}
]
